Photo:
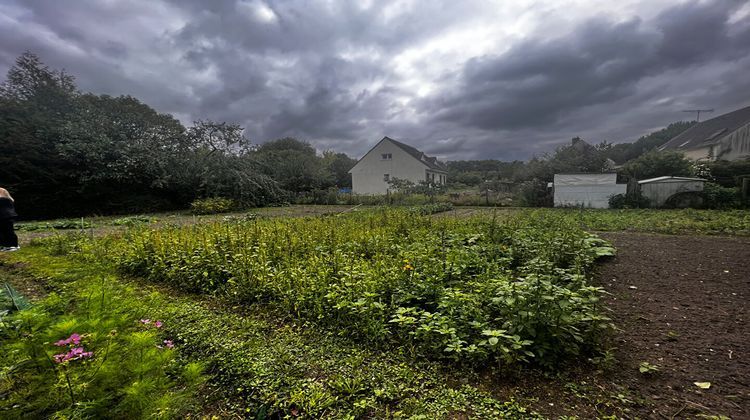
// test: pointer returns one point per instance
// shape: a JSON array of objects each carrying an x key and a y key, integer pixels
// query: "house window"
[
  {"x": 386, "y": 156},
  {"x": 386, "y": 177}
]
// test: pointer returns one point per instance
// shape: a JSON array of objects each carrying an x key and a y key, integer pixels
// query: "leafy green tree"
[
  {"x": 120, "y": 139},
  {"x": 658, "y": 163},
  {"x": 35, "y": 101},
  {"x": 338, "y": 165},
  {"x": 294, "y": 165},
  {"x": 67, "y": 153},
  {"x": 30, "y": 80},
  {"x": 219, "y": 137}
]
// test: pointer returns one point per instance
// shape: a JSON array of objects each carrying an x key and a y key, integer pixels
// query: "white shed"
[
  {"x": 659, "y": 190},
  {"x": 586, "y": 190}
]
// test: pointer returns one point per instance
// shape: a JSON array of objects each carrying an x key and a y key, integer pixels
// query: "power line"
[{"x": 698, "y": 112}]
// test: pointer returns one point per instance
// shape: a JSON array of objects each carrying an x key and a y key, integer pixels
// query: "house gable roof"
[
  {"x": 430, "y": 162},
  {"x": 708, "y": 132}
]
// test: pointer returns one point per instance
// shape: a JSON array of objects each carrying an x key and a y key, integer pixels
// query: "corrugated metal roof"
[
  {"x": 669, "y": 178},
  {"x": 707, "y": 132}
]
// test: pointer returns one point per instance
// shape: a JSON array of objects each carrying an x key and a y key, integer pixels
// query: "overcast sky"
[{"x": 458, "y": 79}]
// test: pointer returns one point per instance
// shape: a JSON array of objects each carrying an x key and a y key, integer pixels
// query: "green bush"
[
  {"x": 212, "y": 205},
  {"x": 717, "y": 197},
  {"x": 628, "y": 201}
]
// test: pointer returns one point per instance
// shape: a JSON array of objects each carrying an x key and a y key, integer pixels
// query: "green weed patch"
[{"x": 673, "y": 222}]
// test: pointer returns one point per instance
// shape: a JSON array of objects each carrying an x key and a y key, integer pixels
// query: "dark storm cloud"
[
  {"x": 341, "y": 74},
  {"x": 538, "y": 83}
]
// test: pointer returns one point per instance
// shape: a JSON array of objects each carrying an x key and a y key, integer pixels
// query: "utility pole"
[{"x": 698, "y": 113}]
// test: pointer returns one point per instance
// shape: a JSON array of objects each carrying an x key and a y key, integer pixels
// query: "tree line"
[{"x": 64, "y": 152}]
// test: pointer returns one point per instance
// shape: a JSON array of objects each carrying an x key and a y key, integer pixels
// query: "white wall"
[
  {"x": 367, "y": 175},
  {"x": 586, "y": 190},
  {"x": 735, "y": 146}
]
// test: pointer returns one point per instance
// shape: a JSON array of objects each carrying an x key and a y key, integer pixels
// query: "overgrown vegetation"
[
  {"x": 473, "y": 291},
  {"x": 288, "y": 338},
  {"x": 86, "y": 351},
  {"x": 260, "y": 363}
]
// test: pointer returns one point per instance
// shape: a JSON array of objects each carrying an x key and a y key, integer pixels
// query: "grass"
[{"x": 672, "y": 222}]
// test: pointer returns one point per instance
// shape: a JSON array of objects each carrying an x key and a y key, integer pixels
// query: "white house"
[
  {"x": 586, "y": 189},
  {"x": 391, "y": 159}
]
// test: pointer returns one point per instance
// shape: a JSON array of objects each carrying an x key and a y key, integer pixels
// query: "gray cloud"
[
  {"x": 457, "y": 79},
  {"x": 600, "y": 62}
]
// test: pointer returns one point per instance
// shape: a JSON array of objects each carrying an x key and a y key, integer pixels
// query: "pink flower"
[
  {"x": 169, "y": 344},
  {"x": 158, "y": 324},
  {"x": 74, "y": 338},
  {"x": 74, "y": 353}
]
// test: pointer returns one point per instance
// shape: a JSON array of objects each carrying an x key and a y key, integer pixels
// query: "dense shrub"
[
  {"x": 729, "y": 174},
  {"x": 717, "y": 197},
  {"x": 212, "y": 205},
  {"x": 628, "y": 201},
  {"x": 471, "y": 291},
  {"x": 533, "y": 193}
]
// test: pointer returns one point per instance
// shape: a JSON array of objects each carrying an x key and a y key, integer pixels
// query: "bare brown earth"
[{"x": 681, "y": 304}]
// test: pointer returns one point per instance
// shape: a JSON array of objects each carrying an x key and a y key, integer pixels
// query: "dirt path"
[{"x": 681, "y": 302}]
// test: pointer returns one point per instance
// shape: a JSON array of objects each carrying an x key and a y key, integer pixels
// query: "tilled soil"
[{"x": 680, "y": 303}]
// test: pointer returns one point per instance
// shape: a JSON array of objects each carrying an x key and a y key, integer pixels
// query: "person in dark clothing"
[{"x": 8, "y": 238}]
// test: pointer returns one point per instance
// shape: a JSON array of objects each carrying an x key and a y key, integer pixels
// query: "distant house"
[
  {"x": 391, "y": 159},
  {"x": 726, "y": 137},
  {"x": 591, "y": 190}
]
